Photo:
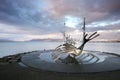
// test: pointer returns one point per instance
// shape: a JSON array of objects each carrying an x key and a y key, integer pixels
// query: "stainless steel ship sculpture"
[
  {"x": 69, "y": 58},
  {"x": 68, "y": 53}
]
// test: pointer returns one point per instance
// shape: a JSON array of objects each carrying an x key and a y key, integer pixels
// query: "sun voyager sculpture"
[
  {"x": 69, "y": 58},
  {"x": 67, "y": 53}
]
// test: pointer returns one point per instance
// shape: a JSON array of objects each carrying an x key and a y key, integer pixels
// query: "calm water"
[{"x": 9, "y": 48}]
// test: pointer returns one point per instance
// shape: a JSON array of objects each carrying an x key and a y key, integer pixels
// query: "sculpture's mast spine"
[
  {"x": 64, "y": 35},
  {"x": 83, "y": 29}
]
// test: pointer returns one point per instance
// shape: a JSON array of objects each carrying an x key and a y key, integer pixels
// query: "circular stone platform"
[{"x": 42, "y": 60}]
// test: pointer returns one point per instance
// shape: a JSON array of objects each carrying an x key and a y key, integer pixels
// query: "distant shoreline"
[
  {"x": 62, "y": 41},
  {"x": 105, "y": 41}
]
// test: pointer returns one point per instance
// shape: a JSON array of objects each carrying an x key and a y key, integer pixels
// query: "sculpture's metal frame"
[{"x": 69, "y": 51}]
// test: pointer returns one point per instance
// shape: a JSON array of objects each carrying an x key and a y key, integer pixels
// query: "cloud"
[
  {"x": 93, "y": 10},
  {"x": 44, "y": 17},
  {"x": 29, "y": 14}
]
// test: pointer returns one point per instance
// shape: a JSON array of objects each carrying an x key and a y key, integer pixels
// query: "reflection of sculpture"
[{"x": 67, "y": 52}]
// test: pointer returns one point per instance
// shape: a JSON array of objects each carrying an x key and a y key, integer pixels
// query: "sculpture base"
[{"x": 42, "y": 60}]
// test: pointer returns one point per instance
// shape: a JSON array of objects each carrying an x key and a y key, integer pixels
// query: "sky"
[{"x": 23, "y": 20}]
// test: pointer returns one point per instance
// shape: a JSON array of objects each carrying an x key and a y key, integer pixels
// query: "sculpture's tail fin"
[{"x": 85, "y": 38}]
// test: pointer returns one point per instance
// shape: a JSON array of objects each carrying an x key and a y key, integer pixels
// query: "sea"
[{"x": 11, "y": 48}]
